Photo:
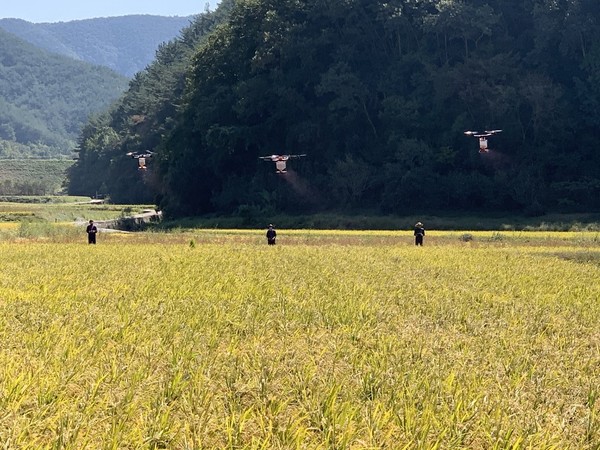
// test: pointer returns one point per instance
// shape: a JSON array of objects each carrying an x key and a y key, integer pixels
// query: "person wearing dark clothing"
[
  {"x": 91, "y": 231},
  {"x": 271, "y": 235},
  {"x": 419, "y": 233}
]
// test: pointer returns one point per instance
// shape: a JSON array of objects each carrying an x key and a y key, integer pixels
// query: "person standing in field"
[
  {"x": 271, "y": 235},
  {"x": 91, "y": 231},
  {"x": 419, "y": 233}
]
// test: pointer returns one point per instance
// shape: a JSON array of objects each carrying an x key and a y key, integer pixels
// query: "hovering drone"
[
  {"x": 141, "y": 157},
  {"x": 483, "y": 142},
  {"x": 280, "y": 161}
]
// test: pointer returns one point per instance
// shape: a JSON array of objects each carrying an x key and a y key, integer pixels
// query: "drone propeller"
[
  {"x": 493, "y": 131},
  {"x": 279, "y": 157},
  {"x": 137, "y": 155}
]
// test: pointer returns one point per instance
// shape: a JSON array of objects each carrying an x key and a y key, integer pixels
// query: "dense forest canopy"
[
  {"x": 46, "y": 98},
  {"x": 378, "y": 94}
]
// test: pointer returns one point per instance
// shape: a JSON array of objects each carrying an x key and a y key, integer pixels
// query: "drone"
[
  {"x": 280, "y": 161},
  {"x": 483, "y": 142},
  {"x": 141, "y": 157}
]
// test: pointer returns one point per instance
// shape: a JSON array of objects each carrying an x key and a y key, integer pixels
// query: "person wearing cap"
[
  {"x": 419, "y": 233},
  {"x": 91, "y": 231},
  {"x": 271, "y": 235}
]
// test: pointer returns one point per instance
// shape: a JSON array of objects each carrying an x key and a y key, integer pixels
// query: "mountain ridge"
[
  {"x": 105, "y": 41},
  {"x": 46, "y": 97}
]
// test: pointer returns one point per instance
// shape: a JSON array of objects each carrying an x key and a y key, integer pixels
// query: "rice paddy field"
[{"x": 210, "y": 339}]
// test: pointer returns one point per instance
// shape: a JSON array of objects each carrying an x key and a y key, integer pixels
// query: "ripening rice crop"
[{"x": 227, "y": 343}]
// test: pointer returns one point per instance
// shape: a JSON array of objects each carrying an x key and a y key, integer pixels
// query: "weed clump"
[{"x": 466, "y": 237}]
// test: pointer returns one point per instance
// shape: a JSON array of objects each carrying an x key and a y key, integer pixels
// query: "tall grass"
[{"x": 146, "y": 341}]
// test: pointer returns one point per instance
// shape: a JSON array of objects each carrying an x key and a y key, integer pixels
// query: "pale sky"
[{"x": 66, "y": 10}]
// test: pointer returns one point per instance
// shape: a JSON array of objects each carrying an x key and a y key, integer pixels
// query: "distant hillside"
[
  {"x": 45, "y": 98},
  {"x": 33, "y": 176},
  {"x": 125, "y": 44},
  {"x": 379, "y": 96}
]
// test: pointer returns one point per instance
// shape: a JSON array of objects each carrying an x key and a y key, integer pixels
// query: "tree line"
[{"x": 377, "y": 94}]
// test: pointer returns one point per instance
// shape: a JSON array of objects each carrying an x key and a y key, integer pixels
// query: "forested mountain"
[
  {"x": 139, "y": 120},
  {"x": 46, "y": 98},
  {"x": 378, "y": 94},
  {"x": 126, "y": 44}
]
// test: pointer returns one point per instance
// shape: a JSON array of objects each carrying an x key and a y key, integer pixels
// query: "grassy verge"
[
  {"x": 60, "y": 209},
  {"x": 555, "y": 222}
]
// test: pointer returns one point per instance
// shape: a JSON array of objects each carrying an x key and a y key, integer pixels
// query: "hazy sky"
[{"x": 65, "y": 10}]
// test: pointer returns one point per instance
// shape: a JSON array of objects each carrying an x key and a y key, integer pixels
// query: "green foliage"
[
  {"x": 331, "y": 221},
  {"x": 125, "y": 44},
  {"x": 378, "y": 94},
  {"x": 137, "y": 122},
  {"x": 46, "y": 98},
  {"x": 33, "y": 176},
  {"x": 29, "y": 229},
  {"x": 53, "y": 209}
]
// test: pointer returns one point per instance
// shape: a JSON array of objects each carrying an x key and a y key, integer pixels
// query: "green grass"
[
  {"x": 32, "y": 176},
  {"x": 62, "y": 209},
  {"x": 441, "y": 221},
  {"x": 332, "y": 340}
]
